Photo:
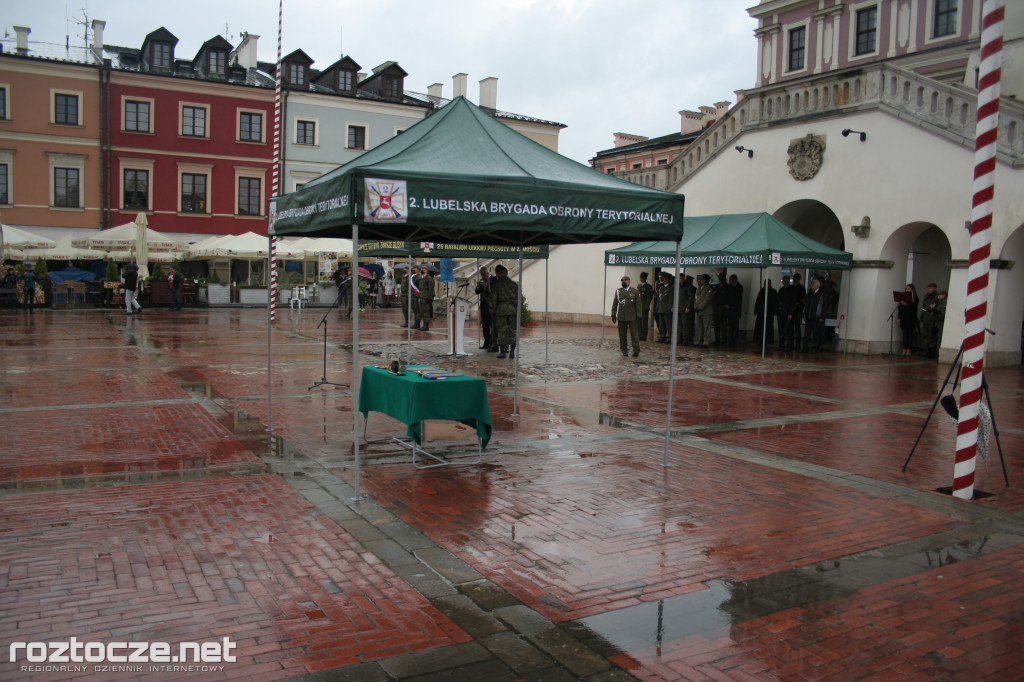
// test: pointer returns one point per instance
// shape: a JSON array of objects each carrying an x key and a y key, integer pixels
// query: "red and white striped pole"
[
  {"x": 275, "y": 182},
  {"x": 981, "y": 247}
]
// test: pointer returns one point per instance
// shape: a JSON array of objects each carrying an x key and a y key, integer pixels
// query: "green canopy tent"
[
  {"x": 461, "y": 176},
  {"x": 740, "y": 240},
  {"x": 447, "y": 250}
]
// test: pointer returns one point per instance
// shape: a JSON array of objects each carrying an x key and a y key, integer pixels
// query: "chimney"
[
  {"x": 360, "y": 77},
  {"x": 97, "y": 34},
  {"x": 459, "y": 85},
  {"x": 489, "y": 93},
  {"x": 689, "y": 121},
  {"x": 245, "y": 53},
  {"x": 22, "y": 44},
  {"x": 434, "y": 92}
]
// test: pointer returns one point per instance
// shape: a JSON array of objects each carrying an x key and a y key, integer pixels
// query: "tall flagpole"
[
  {"x": 275, "y": 185},
  {"x": 981, "y": 247}
]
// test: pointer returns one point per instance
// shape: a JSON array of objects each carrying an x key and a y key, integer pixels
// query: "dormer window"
[
  {"x": 296, "y": 74},
  {"x": 161, "y": 55},
  {"x": 392, "y": 86},
  {"x": 218, "y": 62},
  {"x": 345, "y": 78}
]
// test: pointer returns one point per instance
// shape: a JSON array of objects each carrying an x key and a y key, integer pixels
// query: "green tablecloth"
[{"x": 410, "y": 399}]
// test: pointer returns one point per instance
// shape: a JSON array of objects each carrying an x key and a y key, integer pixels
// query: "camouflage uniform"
[
  {"x": 646, "y": 299},
  {"x": 687, "y": 295},
  {"x": 426, "y": 301},
  {"x": 403, "y": 297},
  {"x": 663, "y": 311},
  {"x": 505, "y": 294},
  {"x": 704, "y": 306}
]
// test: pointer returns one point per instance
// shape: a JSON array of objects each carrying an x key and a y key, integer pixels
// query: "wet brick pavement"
[{"x": 142, "y": 499}]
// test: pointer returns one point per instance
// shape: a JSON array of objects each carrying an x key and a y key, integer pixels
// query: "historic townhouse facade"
[{"x": 50, "y": 172}]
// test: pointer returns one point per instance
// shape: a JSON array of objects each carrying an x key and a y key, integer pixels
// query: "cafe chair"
[{"x": 299, "y": 295}]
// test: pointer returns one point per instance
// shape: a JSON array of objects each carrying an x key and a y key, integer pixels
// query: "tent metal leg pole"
[
  {"x": 604, "y": 297},
  {"x": 547, "y": 311},
  {"x": 408, "y": 311},
  {"x": 355, "y": 357},
  {"x": 764, "y": 317},
  {"x": 849, "y": 295},
  {"x": 479, "y": 321},
  {"x": 519, "y": 325},
  {"x": 671, "y": 352},
  {"x": 270, "y": 395}
]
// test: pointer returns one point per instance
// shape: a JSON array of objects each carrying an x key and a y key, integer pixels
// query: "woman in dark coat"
[{"x": 908, "y": 319}]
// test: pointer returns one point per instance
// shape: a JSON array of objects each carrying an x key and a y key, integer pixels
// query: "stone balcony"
[{"x": 942, "y": 108}]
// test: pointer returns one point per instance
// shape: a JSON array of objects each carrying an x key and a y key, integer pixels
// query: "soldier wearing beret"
[
  {"x": 627, "y": 311},
  {"x": 704, "y": 306}
]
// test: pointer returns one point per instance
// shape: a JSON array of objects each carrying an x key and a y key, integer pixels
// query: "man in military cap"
[
  {"x": 663, "y": 307},
  {"x": 687, "y": 295},
  {"x": 505, "y": 296},
  {"x": 704, "y": 306},
  {"x": 403, "y": 296},
  {"x": 626, "y": 311},
  {"x": 426, "y": 298},
  {"x": 646, "y": 299}
]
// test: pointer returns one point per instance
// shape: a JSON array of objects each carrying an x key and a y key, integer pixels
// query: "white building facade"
[{"x": 862, "y": 128}]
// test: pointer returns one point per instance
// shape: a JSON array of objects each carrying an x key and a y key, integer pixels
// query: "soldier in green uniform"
[
  {"x": 403, "y": 297},
  {"x": 933, "y": 313},
  {"x": 704, "y": 306},
  {"x": 686, "y": 311},
  {"x": 663, "y": 307},
  {"x": 506, "y": 298},
  {"x": 426, "y": 298},
  {"x": 627, "y": 312},
  {"x": 646, "y": 299}
]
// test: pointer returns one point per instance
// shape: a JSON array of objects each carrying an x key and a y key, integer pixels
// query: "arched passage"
[
  {"x": 1007, "y": 346},
  {"x": 813, "y": 219}
]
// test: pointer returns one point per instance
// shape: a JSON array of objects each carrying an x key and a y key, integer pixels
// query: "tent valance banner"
[
  {"x": 460, "y": 176},
  {"x": 741, "y": 240},
  {"x": 448, "y": 250}
]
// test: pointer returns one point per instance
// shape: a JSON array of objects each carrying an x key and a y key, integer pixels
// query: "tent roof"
[
  {"x": 248, "y": 246},
  {"x": 740, "y": 240},
  {"x": 446, "y": 250},
  {"x": 125, "y": 236},
  {"x": 460, "y": 176}
]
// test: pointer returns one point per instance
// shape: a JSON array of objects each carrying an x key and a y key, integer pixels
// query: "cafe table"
[{"x": 423, "y": 392}]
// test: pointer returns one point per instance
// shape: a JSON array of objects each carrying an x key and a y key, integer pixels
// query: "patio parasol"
[
  {"x": 142, "y": 244},
  {"x": 13, "y": 238},
  {"x": 129, "y": 237}
]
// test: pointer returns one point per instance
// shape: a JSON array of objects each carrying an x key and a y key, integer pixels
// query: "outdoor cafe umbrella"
[
  {"x": 129, "y": 237},
  {"x": 13, "y": 238},
  {"x": 141, "y": 244}
]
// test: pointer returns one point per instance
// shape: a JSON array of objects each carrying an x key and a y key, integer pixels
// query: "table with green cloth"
[{"x": 410, "y": 399}]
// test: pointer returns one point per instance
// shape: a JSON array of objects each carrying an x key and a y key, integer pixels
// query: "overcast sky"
[{"x": 598, "y": 66}]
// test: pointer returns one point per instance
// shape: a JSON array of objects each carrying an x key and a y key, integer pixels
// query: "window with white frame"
[
  {"x": 137, "y": 115},
  {"x": 161, "y": 55},
  {"x": 65, "y": 108},
  {"x": 345, "y": 80},
  {"x": 797, "y": 48},
  {"x": 866, "y": 30},
  {"x": 67, "y": 175},
  {"x": 944, "y": 21},
  {"x": 356, "y": 137},
  {"x": 296, "y": 74},
  {"x": 3, "y": 101},
  {"x": 136, "y": 183},
  {"x": 250, "y": 126},
  {"x": 193, "y": 192},
  {"x": 193, "y": 120},
  {"x": 5, "y": 189},
  {"x": 305, "y": 132},
  {"x": 218, "y": 62},
  {"x": 249, "y": 196},
  {"x": 392, "y": 86}
]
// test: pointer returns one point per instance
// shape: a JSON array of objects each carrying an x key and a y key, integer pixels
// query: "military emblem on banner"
[
  {"x": 273, "y": 217},
  {"x": 776, "y": 259},
  {"x": 611, "y": 259},
  {"x": 385, "y": 201},
  {"x": 427, "y": 246}
]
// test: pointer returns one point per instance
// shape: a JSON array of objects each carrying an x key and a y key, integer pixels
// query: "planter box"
[
  {"x": 217, "y": 294},
  {"x": 251, "y": 296}
]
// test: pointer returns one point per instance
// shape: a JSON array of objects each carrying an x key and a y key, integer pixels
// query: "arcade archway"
[{"x": 813, "y": 219}]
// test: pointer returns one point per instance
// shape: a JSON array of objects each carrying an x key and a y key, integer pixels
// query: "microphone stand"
[
  {"x": 892, "y": 325},
  {"x": 323, "y": 323}
]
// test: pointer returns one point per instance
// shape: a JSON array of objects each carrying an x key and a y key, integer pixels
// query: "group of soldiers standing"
[
  {"x": 499, "y": 300},
  {"x": 422, "y": 297}
]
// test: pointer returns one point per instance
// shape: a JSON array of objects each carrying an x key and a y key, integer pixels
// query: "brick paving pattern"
[
  {"x": 244, "y": 558},
  {"x": 178, "y": 518}
]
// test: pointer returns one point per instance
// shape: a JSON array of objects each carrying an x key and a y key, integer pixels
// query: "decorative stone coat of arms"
[{"x": 805, "y": 156}]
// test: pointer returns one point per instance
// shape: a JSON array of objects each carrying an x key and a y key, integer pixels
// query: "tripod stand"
[
  {"x": 323, "y": 323},
  {"x": 892, "y": 327},
  {"x": 950, "y": 407}
]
